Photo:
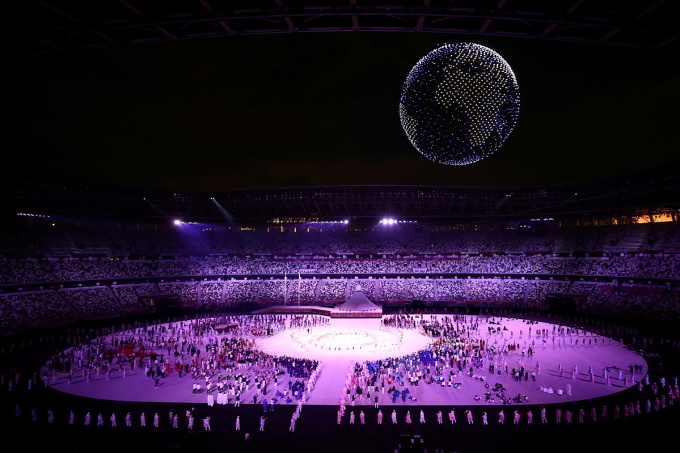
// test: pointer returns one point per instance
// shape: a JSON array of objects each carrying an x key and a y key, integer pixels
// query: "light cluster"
[
  {"x": 28, "y": 214},
  {"x": 390, "y": 221},
  {"x": 459, "y": 103}
]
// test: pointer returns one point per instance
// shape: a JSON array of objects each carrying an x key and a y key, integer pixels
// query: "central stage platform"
[{"x": 356, "y": 306}]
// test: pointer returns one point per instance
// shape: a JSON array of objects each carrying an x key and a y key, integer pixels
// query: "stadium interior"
[{"x": 82, "y": 258}]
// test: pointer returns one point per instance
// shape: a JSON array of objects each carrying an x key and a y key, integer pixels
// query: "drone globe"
[{"x": 459, "y": 104}]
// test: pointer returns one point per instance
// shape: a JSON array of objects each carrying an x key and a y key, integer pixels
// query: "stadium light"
[{"x": 391, "y": 221}]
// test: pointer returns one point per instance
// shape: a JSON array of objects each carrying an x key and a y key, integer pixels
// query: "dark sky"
[{"x": 322, "y": 109}]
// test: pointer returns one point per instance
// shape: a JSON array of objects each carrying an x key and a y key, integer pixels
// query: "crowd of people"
[
  {"x": 459, "y": 352},
  {"x": 652, "y": 397},
  {"x": 49, "y": 305},
  {"x": 64, "y": 278},
  {"x": 73, "y": 273},
  {"x": 225, "y": 369},
  {"x": 44, "y": 270},
  {"x": 218, "y": 354}
]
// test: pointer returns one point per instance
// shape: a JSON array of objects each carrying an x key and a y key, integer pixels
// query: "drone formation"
[{"x": 459, "y": 104}]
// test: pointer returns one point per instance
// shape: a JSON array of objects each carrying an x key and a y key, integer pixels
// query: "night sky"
[{"x": 322, "y": 109}]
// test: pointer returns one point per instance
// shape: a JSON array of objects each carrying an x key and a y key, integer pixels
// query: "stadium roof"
[
  {"x": 48, "y": 26},
  {"x": 644, "y": 192},
  {"x": 70, "y": 134}
]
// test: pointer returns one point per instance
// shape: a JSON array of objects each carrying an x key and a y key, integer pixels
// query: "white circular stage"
[
  {"x": 325, "y": 340},
  {"x": 355, "y": 339}
]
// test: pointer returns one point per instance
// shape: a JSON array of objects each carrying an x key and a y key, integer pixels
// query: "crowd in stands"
[
  {"x": 72, "y": 273},
  {"x": 9, "y": 318},
  {"x": 484, "y": 290},
  {"x": 301, "y": 290},
  {"x": 392, "y": 290},
  {"x": 241, "y": 291},
  {"x": 513, "y": 291},
  {"x": 451, "y": 289},
  {"x": 187, "y": 291},
  {"x": 273, "y": 290},
  {"x": 39, "y": 306},
  {"x": 211, "y": 292},
  {"x": 538, "y": 290},
  {"x": 91, "y": 300},
  {"x": 73, "y": 303},
  {"x": 127, "y": 295},
  {"x": 332, "y": 289},
  {"x": 423, "y": 290},
  {"x": 46, "y": 270}
]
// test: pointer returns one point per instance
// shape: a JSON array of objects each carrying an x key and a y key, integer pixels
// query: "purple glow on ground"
[{"x": 591, "y": 351}]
